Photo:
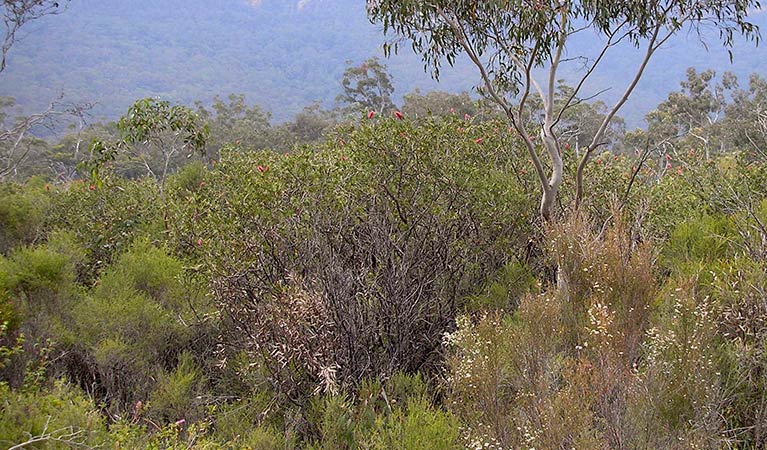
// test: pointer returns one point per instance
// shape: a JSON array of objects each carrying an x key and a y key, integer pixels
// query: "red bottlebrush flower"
[
  {"x": 180, "y": 422},
  {"x": 466, "y": 117},
  {"x": 199, "y": 242},
  {"x": 567, "y": 146},
  {"x": 237, "y": 142},
  {"x": 478, "y": 140},
  {"x": 92, "y": 187},
  {"x": 599, "y": 161},
  {"x": 398, "y": 115},
  {"x": 452, "y": 110},
  {"x": 523, "y": 171},
  {"x": 262, "y": 169},
  {"x": 679, "y": 171},
  {"x": 615, "y": 158},
  {"x": 344, "y": 158},
  {"x": 668, "y": 157},
  {"x": 202, "y": 184},
  {"x": 371, "y": 114},
  {"x": 668, "y": 165}
]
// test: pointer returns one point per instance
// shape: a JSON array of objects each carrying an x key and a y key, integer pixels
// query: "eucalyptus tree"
[
  {"x": 745, "y": 124},
  {"x": 367, "y": 87},
  {"x": 14, "y": 139},
  {"x": 153, "y": 133},
  {"x": 17, "y": 13},
  {"x": 519, "y": 49}
]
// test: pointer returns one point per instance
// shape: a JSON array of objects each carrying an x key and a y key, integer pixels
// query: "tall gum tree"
[
  {"x": 17, "y": 13},
  {"x": 511, "y": 42}
]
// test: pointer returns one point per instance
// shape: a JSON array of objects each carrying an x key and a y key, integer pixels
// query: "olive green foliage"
[
  {"x": 367, "y": 87},
  {"x": 390, "y": 287},
  {"x": 330, "y": 248},
  {"x": 61, "y": 418},
  {"x": 397, "y": 414},
  {"x": 138, "y": 320},
  {"x": 22, "y": 213},
  {"x": 36, "y": 293},
  {"x": 106, "y": 220}
]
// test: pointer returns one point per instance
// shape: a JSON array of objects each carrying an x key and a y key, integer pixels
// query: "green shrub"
[
  {"x": 706, "y": 239},
  {"x": 252, "y": 420},
  {"x": 37, "y": 271},
  {"x": 23, "y": 212},
  {"x": 417, "y": 426},
  {"x": 151, "y": 271},
  {"x": 127, "y": 335},
  {"x": 187, "y": 180},
  {"x": 178, "y": 394},
  {"x": 364, "y": 249},
  {"x": 37, "y": 293},
  {"x": 9, "y": 315},
  {"x": 64, "y": 415},
  {"x": 106, "y": 220},
  {"x": 377, "y": 420},
  {"x": 137, "y": 321},
  {"x": 504, "y": 290},
  {"x": 260, "y": 438}
]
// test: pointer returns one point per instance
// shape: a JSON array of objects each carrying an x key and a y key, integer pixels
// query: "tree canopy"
[{"x": 509, "y": 40}]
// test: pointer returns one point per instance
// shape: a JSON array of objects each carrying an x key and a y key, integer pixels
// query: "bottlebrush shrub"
[
  {"x": 370, "y": 243},
  {"x": 106, "y": 220}
]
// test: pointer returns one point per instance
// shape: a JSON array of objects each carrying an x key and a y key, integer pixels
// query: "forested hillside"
[{"x": 280, "y": 56}]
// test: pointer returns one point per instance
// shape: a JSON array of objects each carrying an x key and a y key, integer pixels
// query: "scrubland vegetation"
[
  {"x": 391, "y": 287},
  {"x": 375, "y": 277}
]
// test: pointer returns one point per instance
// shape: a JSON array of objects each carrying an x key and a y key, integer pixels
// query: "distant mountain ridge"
[{"x": 283, "y": 55}]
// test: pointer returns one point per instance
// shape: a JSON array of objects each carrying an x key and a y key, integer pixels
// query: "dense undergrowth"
[{"x": 392, "y": 288}]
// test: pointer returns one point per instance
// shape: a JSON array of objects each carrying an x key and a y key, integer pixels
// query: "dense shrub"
[
  {"x": 391, "y": 288},
  {"x": 385, "y": 417},
  {"x": 350, "y": 262},
  {"x": 138, "y": 320},
  {"x": 107, "y": 219},
  {"x": 37, "y": 292},
  {"x": 23, "y": 212},
  {"x": 60, "y": 418}
]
